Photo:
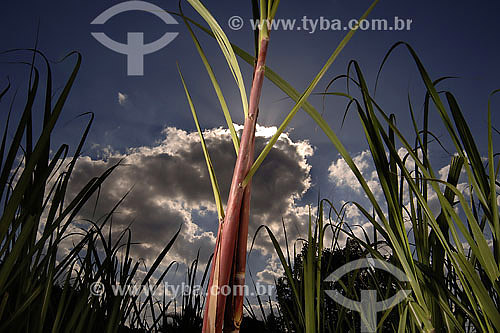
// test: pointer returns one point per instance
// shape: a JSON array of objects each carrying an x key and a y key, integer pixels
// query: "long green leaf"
[
  {"x": 226, "y": 48},
  {"x": 211, "y": 172}
]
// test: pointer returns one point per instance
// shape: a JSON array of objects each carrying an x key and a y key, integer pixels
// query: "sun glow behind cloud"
[{"x": 170, "y": 187}]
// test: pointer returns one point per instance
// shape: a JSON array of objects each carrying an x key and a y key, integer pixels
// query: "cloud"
[
  {"x": 340, "y": 174},
  {"x": 170, "y": 187},
  {"x": 347, "y": 184},
  {"x": 270, "y": 273},
  {"x": 122, "y": 98}
]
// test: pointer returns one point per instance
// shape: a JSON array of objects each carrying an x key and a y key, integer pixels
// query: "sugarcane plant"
[
  {"x": 229, "y": 261},
  {"x": 46, "y": 284},
  {"x": 229, "y": 264},
  {"x": 451, "y": 258}
]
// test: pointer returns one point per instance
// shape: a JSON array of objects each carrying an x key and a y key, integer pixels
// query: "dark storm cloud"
[{"x": 171, "y": 187}]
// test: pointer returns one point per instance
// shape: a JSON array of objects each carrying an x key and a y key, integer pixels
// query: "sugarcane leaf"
[
  {"x": 226, "y": 48},
  {"x": 211, "y": 172},
  {"x": 215, "y": 84}
]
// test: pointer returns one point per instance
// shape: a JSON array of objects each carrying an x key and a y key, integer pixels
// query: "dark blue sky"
[{"x": 452, "y": 38}]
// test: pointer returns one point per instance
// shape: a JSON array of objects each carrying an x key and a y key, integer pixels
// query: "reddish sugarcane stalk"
[
  {"x": 234, "y": 306},
  {"x": 230, "y": 249}
]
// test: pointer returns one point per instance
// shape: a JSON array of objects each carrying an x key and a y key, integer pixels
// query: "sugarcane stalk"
[
  {"x": 233, "y": 230},
  {"x": 234, "y": 305}
]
